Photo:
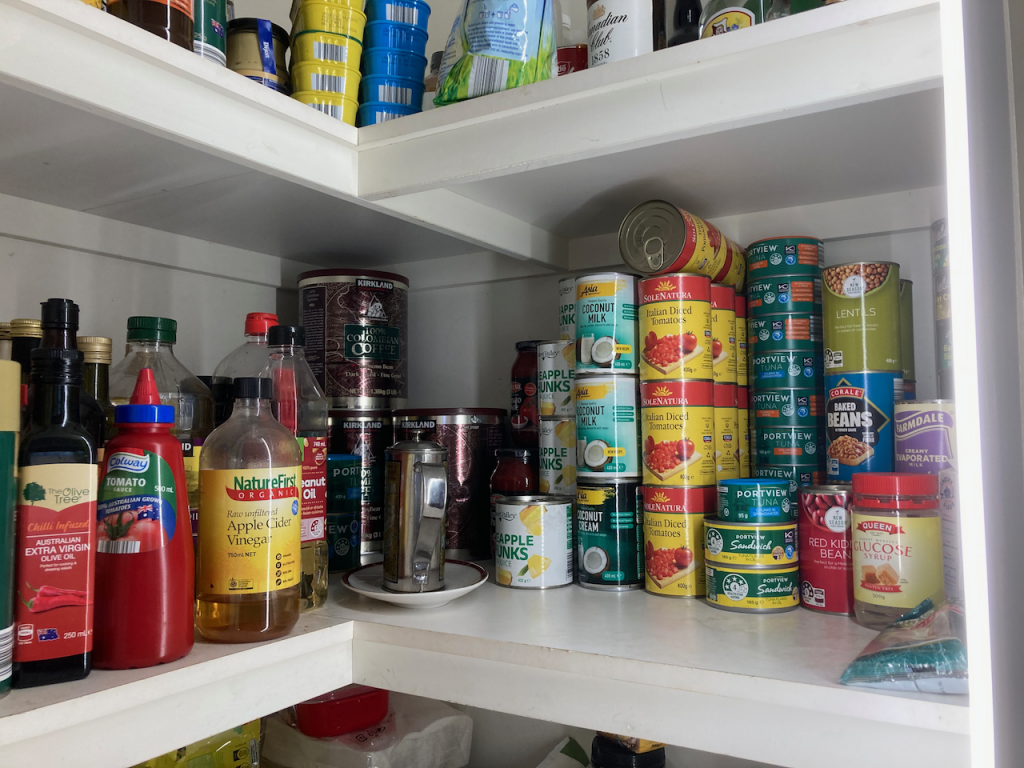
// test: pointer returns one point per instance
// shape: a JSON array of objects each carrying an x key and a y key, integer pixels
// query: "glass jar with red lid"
[
  {"x": 514, "y": 475},
  {"x": 525, "y": 408}
]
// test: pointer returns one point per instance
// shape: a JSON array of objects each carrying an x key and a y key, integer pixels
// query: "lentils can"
[
  {"x": 534, "y": 541},
  {"x": 609, "y": 536},
  {"x": 750, "y": 544},
  {"x": 366, "y": 434},
  {"x": 675, "y": 325},
  {"x": 607, "y": 427},
  {"x": 567, "y": 309},
  {"x": 606, "y": 323},
  {"x": 785, "y": 256},
  {"x": 907, "y": 339},
  {"x": 674, "y": 554},
  {"x": 556, "y": 378},
  {"x": 357, "y": 336},
  {"x": 558, "y": 457},
  {"x": 727, "y": 444},
  {"x": 781, "y": 294},
  {"x": 752, "y": 590},
  {"x": 678, "y": 433},
  {"x": 861, "y": 313},
  {"x": 826, "y": 549},
  {"x": 723, "y": 333}
]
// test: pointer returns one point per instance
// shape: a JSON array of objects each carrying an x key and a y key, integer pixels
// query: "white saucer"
[{"x": 460, "y": 578}]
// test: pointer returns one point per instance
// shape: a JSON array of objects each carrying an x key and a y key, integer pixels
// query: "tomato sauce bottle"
[
  {"x": 515, "y": 474},
  {"x": 524, "y": 402},
  {"x": 145, "y": 567}
]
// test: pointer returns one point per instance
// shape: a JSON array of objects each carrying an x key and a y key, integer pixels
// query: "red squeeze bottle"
[{"x": 145, "y": 566}]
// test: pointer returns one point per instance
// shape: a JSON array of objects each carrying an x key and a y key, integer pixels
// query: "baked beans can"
[
  {"x": 680, "y": 501},
  {"x": 674, "y": 554},
  {"x": 556, "y": 378},
  {"x": 723, "y": 334},
  {"x": 753, "y": 590},
  {"x": 357, "y": 336},
  {"x": 742, "y": 343},
  {"x": 859, "y": 410},
  {"x": 558, "y": 456},
  {"x": 785, "y": 256},
  {"x": 656, "y": 238},
  {"x": 366, "y": 434},
  {"x": 678, "y": 430},
  {"x": 606, "y": 323},
  {"x": 567, "y": 309},
  {"x": 610, "y": 536},
  {"x": 607, "y": 427},
  {"x": 795, "y": 474},
  {"x": 782, "y": 294},
  {"x": 734, "y": 272},
  {"x": 675, "y": 326},
  {"x": 907, "y": 339},
  {"x": 755, "y": 500},
  {"x": 826, "y": 550},
  {"x": 788, "y": 408},
  {"x": 534, "y": 541},
  {"x": 797, "y": 331},
  {"x": 727, "y": 442},
  {"x": 743, "y": 428},
  {"x": 861, "y": 313},
  {"x": 786, "y": 370},
  {"x": 471, "y": 435},
  {"x": 754, "y": 545},
  {"x": 789, "y": 445}
]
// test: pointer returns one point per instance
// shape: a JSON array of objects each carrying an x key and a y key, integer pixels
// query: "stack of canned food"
[
  {"x": 393, "y": 62},
  {"x": 326, "y": 45},
  {"x": 785, "y": 342},
  {"x": 943, "y": 311}
]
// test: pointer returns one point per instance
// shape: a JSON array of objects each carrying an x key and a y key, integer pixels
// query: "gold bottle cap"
[
  {"x": 10, "y": 396},
  {"x": 23, "y": 327},
  {"x": 96, "y": 349},
  {"x": 5, "y": 331}
]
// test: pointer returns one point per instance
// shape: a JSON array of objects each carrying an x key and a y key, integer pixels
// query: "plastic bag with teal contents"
[{"x": 495, "y": 45}]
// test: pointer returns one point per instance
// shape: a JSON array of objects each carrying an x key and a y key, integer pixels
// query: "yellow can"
[
  {"x": 742, "y": 348},
  {"x": 324, "y": 47},
  {"x": 325, "y": 78},
  {"x": 723, "y": 334},
  {"x": 727, "y": 442},
  {"x": 678, "y": 429},
  {"x": 752, "y": 590},
  {"x": 743, "y": 427},
  {"x": 675, "y": 326},
  {"x": 734, "y": 272},
  {"x": 296, "y": 4},
  {"x": 332, "y": 104},
  {"x": 674, "y": 554},
  {"x": 335, "y": 18}
]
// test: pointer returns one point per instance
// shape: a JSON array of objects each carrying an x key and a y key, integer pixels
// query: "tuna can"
[
  {"x": 752, "y": 545},
  {"x": 861, "y": 313},
  {"x": 783, "y": 294},
  {"x": 763, "y": 500},
  {"x": 558, "y": 456},
  {"x": 366, "y": 434},
  {"x": 674, "y": 554},
  {"x": 534, "y": 541},
  {"x": 788, "y": 408},
  {"x": 723, "y": 334},
  {"x": 727, "y": 444},
  {"x": 859, "y": 409},
  {"x": 343, "y": 522},
  {"x": 795, "y": 474},
  {"x": 786, "y": 370},
  {"x": 556, "y": 378},
  {"x": 753, "y": 590},
  {"x": 743, "y": 427},
  {"x": 357, "y": 336},
  {"x": 675, "y": 325},
  {"x": 610, "y": 536},
  {"x": 742, "y": 342},
  {"x": 678, "y": 433},
  {"x": 567, "y": 309},
  {"x": 607, "y": 427},
  {"x": 680, "y": 501},
  {"x": 826, "y": 550},
  {"x": 798, "y": 332},
  {"x": 656, "y": 238},
  {"x": 789, "y": 445},
  {"x": 907, "y": 339},
  {"x": 785, "y": 256},
  {"x": 606, "y": 332},
  {"x": 471, "y": 435}
]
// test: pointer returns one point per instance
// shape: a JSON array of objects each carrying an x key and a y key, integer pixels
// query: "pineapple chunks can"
[
  {"x": 556, "y": 378},
  {"x": 533, "y": 539},
  {"x": 558, "y": 456}
]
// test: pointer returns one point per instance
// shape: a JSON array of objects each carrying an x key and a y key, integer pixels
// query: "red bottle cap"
[
  {"x": 146, "y": 392},
  {"x": 895, "y": 484},
  {"x": 258, "y": 323}
]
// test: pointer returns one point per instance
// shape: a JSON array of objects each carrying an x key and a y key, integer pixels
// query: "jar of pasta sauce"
[
  {"x": 514, "y": 475},
  {"x": 524, "y": 401}
]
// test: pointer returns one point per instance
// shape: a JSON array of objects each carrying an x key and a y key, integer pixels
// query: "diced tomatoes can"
[
  {"x": 610, "y": 536},
  {"x": 680, "y": 501},
  {"x": 678, "y": 433},
  {"x": 674, "y": 554},
  {"x": 799, "y": 331},
  {"x": 727, "y": 443},
  {"x": 534, "y": 541},
  {"x": 826, "y": 553},
  {"x": 606, "y": 327},
  {"x": 861, "y": 313},
  {"x": 754, "y": 545},
  {"x": 785, "y": 256},
  {"x": 859, "y": 432},
  {"x": 755, "y": 500},
  {"x": 734, "y": 272},
  {"x": 675, "y": 328},
  {"x": 753, "y": 590},
  {"x": 723, "y": 334},
  {"x": 788, "y": 408},
  {"x": 742, "y": 343},
  {"x": 743, "y": 427},
  {"x": 607, "y": 427}
]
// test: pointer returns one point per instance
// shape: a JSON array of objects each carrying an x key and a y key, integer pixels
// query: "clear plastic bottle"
[
  {"x": 249, "y": 525},
  {"x": 300, "y": 406},
  {"x": 151, "y": 345},
  {"x": 248, "y": 359}
]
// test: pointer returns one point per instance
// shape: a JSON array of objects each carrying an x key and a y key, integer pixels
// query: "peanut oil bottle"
[{"x": 250, "y": 487}]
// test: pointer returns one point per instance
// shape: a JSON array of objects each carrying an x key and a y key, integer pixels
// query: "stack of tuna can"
[
  {"x": 609, "y": 517},
  {"x": 785, "y": 342}
]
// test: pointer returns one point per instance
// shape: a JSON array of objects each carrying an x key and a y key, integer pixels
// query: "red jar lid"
[
  {"x": 347, "y": 709},
  {"x": 895, "y": 484}
]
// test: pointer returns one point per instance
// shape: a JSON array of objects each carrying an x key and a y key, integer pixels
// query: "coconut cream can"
[
  {"x": 609, "y": 535},
  {"x": 607, "y": 427},
  {"x": 606, "y": 324}
]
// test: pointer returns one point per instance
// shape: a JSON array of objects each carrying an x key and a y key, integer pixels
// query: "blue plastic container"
[
  {"x": 390, "y": 34},
  {"x": 391, "y": 90},
  {"x": 414, "y": 12},
  {"x": 377, "y": 112},
  {"x": 386, "y": 61}
]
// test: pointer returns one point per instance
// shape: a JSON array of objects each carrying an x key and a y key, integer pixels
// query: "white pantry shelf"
[{"x": 758, "y": 687}]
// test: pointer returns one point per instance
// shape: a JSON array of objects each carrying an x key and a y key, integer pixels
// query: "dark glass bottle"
[
  {"x": 55, "y": 436},
  {"x": 171, "y": 20},
  {"x": 25, "y": 336},
  {"x": 687, "y": 22},
  {"x": 98, "y": 351}
]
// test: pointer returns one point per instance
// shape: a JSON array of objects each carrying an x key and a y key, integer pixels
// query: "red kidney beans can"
[
  {"x": 826, "y": 554},
  {"x": 471, "y": 435}
]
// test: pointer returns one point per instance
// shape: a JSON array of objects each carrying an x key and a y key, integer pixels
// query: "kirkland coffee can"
[
  {"x": 859, "y": 410},
  {"x": 826, "y": 550},
  {"x": 366, "y": 434},
  {"x": 609, "y": 535}
]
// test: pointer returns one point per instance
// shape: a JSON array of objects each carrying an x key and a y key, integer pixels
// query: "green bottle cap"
[{"x": 152, "y": 329}]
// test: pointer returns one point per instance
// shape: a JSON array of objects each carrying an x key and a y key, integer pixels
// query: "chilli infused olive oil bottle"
[{"x": 250, "y": 486}]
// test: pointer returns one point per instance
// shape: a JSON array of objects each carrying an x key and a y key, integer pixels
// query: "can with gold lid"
[
  {"x": 26, "y": 335},
  {"x": 5, "y": 341},
  {"x": 256, "y": 49}
]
